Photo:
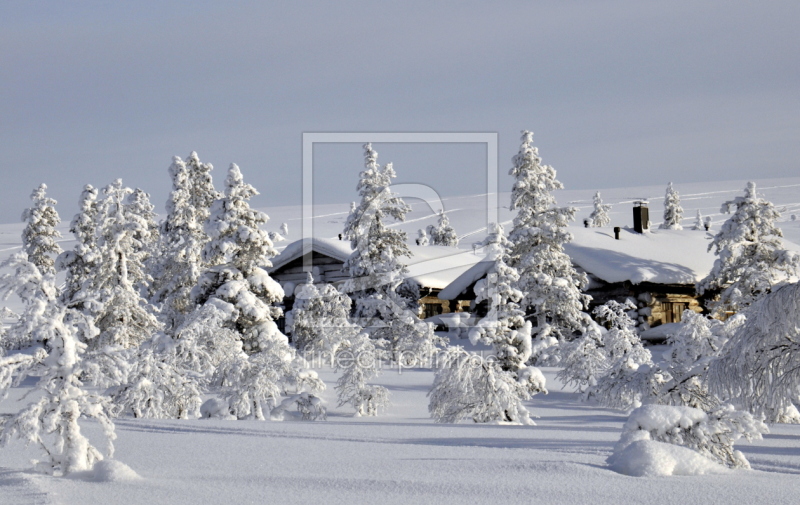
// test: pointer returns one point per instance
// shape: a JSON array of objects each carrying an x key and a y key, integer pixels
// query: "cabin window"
[{"x": 432, "y": 309}]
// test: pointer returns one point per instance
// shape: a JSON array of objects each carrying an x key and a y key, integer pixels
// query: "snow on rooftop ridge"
[{"x": 432, "y": 266}]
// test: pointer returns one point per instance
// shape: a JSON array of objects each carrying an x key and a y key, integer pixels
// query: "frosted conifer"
[
  {"x": 760, "y": 365},
  {"x": 698, "y": 221},
  {"x": 422, "y": 238},
  {"x": 751, "y": 257},
  {"x": 123, "y": 316},
  {"x": 599, "y": 216},
  {"x": 239, "y": 252},
  {"x": 467, "y": 386},
  {"x": 550, "y": 285},
  {"x": 443, "y": 233},
  {"x": 80, "y": 263},
  {"x": 51, "y": 422},
  {"x": 375, "y": 266},
  {"x": 179, "y": 263},
  {"x": 673, "y": 212},
  {"x": 40, "y": 235}
]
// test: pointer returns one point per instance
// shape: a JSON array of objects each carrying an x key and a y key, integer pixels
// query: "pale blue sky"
[{"x": 617, "y": 92}]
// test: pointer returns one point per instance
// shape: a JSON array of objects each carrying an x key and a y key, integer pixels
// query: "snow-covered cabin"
[
  {"x": 658, "y": 269},
  {"x": 431, "y": 267}
]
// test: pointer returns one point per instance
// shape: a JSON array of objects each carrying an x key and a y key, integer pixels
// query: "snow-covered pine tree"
[
  {"x": 40, "y": 234},
  {"x": 51, "y": 422},
  {"x": 599, "y": 216},
  {"x": 698, "y": 222},
  {"x": 284, "y": 230},
  {"x": 238, "y": 253},
  {"x": 760, "y": 365},
  {"x": 156, "y": 386},
  {"x": 550, "y": 285},
  {"x": 468, "y": 386},
  {"x": 176, "y": 269},
  {"x": 38, "y": 293},
  {"x": 123, "y": 316},
  {"x": 505, "y": 329},
  {"x": 751, "y": 257},
  {"x": 375, "y": 267},
  {"x": 322, "y": 328},
  {"x": 620, "y": 386},
  {"x": 201, "y": 188},
  {"x": 145, "y": 234},
  {"x": 80, "y": 263},
  {"x": 673, "y": 212},
  {"x": 443, "y": 233},
  {"x": 422, "y": 237}
]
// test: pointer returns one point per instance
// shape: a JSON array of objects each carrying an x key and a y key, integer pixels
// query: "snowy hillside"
[{"x": 402, "y": 456}]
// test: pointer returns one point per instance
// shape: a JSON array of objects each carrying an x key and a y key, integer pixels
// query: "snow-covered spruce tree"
[
  {"x": 178, "y": 265},
  {"x": 201, "y": 187},
  {"x": 80, "y": 263},
  {"x": 156, "y": 386},
  {"x": 422, "y": 237},
  {"x": 673, "y": 212},
  {"x": 698, "y": 222},
  {"x": 710, "y": 434},
  {"x": 238, "y": 253},
  {"x": 620, "y": 386},
  {"x": 759, "y": 368},
  {"x": 322, "y": 328},
  {"x": 38, "y": 293},
  {"x": 52, "y": 421},
  {"x": 443, "y": 233},
  {"x": 550, "y": 285},
  {"x": 375, "y": 269},
  {"x": 468, "y": 386},
  {"x": 122, "y": 315},
  {"x": 599, "y": 216},
  {"x": 751, "y": 257},
  {"x": 320, "y": 320},
  {"x": 40, "y": 234},
  {"x": 284, "y": 229}
]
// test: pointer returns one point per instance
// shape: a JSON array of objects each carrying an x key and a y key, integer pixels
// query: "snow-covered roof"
[
  {"x": 465, "y": 280},
  {"x": 658, "y": 256},
  {"x": 338, "y": 249},
  {"x": 432, "y": 266}
]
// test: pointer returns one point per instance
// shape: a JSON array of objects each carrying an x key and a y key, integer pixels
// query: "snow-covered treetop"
[
  {"x": 673, "y": 212},
  {"x": 377, "y": 249},
  {"x": 443, "y": 233},
  {"x": 234, "y": 228},
  {"x": 550, "y": 283},
  {"x": 83, "y": 225},
  {"x": 599, "y": 216},
  {"x": 201, "y": 190},
  {"x": 751, "y": 257},
  {"x": 40, "y": 235}
]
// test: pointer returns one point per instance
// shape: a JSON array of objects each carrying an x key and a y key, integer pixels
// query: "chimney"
[
  {"x": 641, "y": 216},
  {"x": 617, "y": 230}
]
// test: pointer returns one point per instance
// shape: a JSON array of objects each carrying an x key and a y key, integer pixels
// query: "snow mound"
[
  {"x": 108, "y": 470},
  {"x": 648, "y": 458}
]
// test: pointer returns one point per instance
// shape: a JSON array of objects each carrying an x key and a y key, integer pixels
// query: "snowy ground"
[
  {"x": 402, "y": 456},
  {"x": 399, "y": 457}
]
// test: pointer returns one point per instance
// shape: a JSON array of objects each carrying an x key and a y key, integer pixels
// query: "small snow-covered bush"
[
  {"x": 467, "y": 386},
  {"x": 309, "y": 406},
  {"x": 711, "y": 435}
]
